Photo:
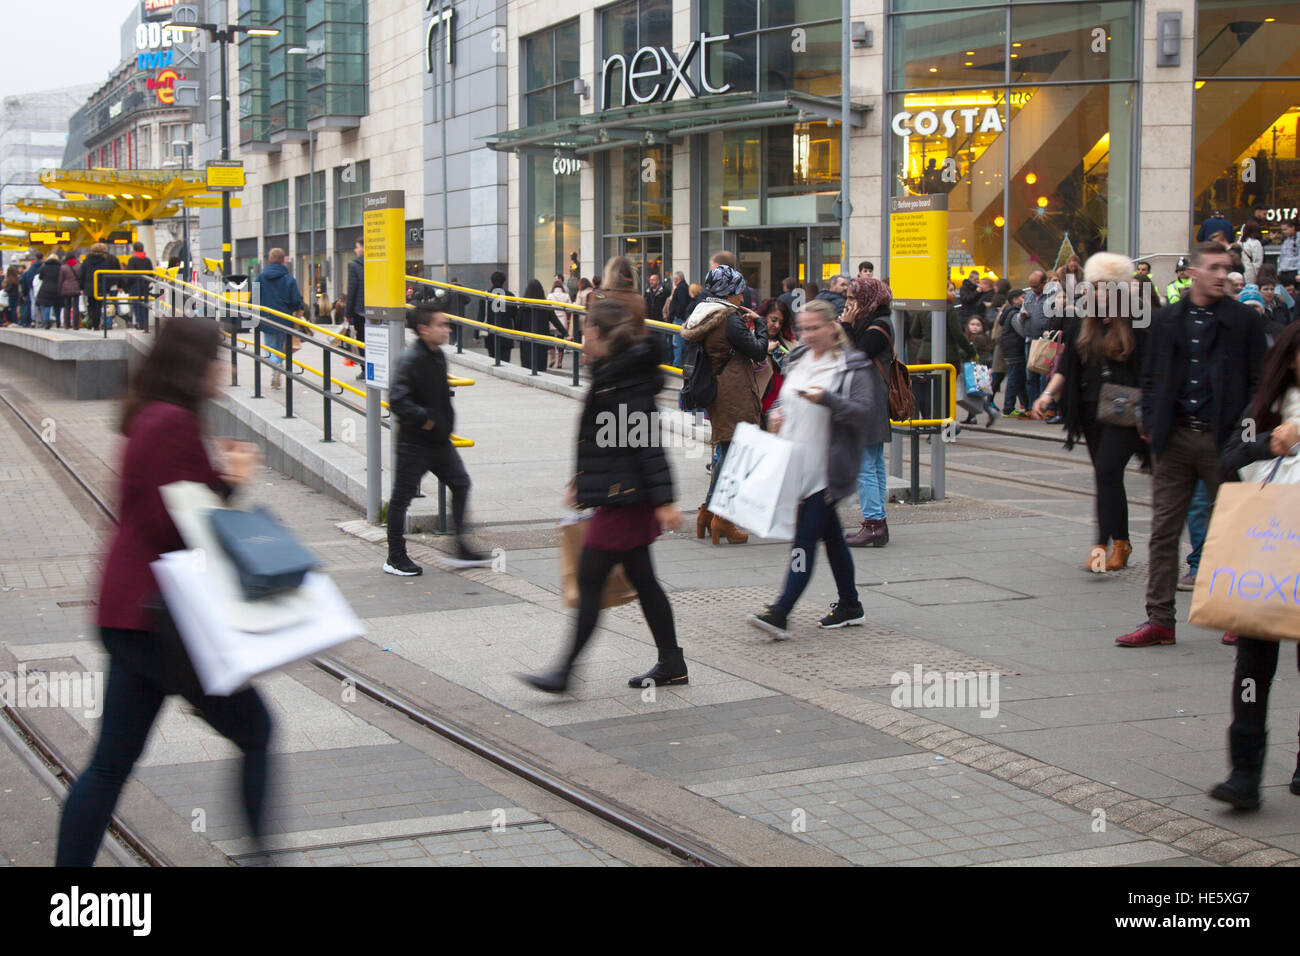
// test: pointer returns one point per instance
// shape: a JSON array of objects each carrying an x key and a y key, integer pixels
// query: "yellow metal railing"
[{"x": 952, "y": 399}]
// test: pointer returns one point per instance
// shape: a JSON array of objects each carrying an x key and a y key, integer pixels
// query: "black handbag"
[
  {"x": 267, "y": 556},
  {"x": 1119, "y": 405}
]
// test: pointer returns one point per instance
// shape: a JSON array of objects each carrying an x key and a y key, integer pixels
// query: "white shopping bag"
[
  {"x": 226, "y": 658},
  {"x": 759, "y": 485}
]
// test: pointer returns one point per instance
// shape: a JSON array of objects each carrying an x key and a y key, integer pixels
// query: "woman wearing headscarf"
[
  {"x": 866, "y": 320},
  {"x": 735, "y": 340}
]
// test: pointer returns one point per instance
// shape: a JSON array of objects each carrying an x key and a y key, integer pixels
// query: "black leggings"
[
  {"x": 594, "y": 567},
  {"x": 1256, "y": 661},
  {"x": 144, "y": 669},
  {"x": 1110, "y": 447}
]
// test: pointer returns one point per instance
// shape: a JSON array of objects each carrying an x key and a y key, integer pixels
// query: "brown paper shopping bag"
[
  {"x": 618, "y": 589},
  {"x": 1249, "y": 579}
]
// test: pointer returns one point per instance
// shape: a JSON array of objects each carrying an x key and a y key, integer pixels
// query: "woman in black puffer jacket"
[{"x": 623, "y": 473}]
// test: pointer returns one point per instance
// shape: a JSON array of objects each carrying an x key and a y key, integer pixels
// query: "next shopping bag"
[
  {"x": 1249, "y": 579},
  {"x": 758, "y": 487}
]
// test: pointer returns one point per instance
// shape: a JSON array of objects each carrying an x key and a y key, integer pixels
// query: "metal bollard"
[
  {"x": 915, "y": 492},
  {"x": 288, "y": 377},
  {"x": 329, "y": 435},
  {"x": 257, "y": 364}
]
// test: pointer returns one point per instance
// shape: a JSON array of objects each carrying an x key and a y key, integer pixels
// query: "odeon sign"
[
  {"x": 658, "y": 59},
  {"x": 929, "y": 122}
]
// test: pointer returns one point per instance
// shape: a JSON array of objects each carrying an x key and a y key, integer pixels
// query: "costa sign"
[
  {"x": 650, "y": 62},
  {"x": 929, "y": 122},
  {"x": 565, "y": 165}
]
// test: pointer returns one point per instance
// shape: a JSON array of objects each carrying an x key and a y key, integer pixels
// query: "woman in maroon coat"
[{"x": 147, "y": 662}]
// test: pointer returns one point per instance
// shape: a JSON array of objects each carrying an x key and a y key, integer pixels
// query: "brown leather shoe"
[
  {"x": 1119, "y": 555},
  {"x": 862, "y": 537},
  {"x": 702, "y": 520},
  {"x": 1146, "y": 636}
]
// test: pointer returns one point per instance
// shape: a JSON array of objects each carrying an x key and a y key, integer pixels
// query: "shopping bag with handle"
[
  {"x": 573, "y": 532},
  {"x": 759, "y": 485}
]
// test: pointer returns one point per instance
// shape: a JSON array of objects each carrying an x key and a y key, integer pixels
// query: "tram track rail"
[{"x": 42, "y": 752}]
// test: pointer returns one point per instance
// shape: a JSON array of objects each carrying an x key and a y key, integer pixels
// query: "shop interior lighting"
[
  {"x": 934, "y": 69},
  {"x": 999, "y": 221},
  {"x": 1031, "y": 178},
  {"x": 1042, "y": 202},
  {"x": 263, "y": 32}
]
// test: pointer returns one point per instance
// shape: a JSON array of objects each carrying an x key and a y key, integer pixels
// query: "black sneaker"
[
  {"x": 468, "y": 558},
  {"x": 773, "y": 620},
  {"x": 843, "y": 615},
  {"x": 402, "y": 566}
]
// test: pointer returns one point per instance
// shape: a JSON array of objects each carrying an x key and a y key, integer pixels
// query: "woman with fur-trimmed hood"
[{"x": 735, "y": 340}]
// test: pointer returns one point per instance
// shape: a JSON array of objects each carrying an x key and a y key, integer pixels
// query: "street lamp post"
[
  {"x": 224, "y": 34},
  {"x": 186, "y": 149}
]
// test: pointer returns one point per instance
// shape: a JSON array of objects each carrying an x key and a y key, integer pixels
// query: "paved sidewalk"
[{"x": 1096, "y": 755}]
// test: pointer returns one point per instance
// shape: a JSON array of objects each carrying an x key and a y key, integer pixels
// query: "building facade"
[{"x": 550, "y": 137}]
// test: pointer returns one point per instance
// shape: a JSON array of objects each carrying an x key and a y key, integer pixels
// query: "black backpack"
[{"x": 699, "y": 387}]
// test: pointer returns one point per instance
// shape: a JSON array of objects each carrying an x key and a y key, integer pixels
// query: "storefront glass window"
[
  {"x": 732, "y": 178},
  {"x": 949, "y": 49},
  {"x": 1247, "y": 38},
  {"x": 550, "y": 64},
  {"x": 1027, "y": 167},
  {"x": 1246, "y": 157},
  {"x": 789, "y": 44}
]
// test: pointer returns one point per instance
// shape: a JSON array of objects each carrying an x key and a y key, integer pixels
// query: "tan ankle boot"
[
  {"x": 722, "y": 528},
  {"x": 1119, "y": 554},
  {"x": 703, "y": 518}
]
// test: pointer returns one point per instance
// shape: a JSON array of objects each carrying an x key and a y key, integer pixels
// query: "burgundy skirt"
[{"x": 622, "y": 527}]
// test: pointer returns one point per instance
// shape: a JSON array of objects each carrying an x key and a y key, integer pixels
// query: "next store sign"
[{"x": 649, "y": 63}]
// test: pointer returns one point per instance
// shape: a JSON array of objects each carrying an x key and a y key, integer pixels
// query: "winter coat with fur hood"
[{"x": 719, "y": 328}]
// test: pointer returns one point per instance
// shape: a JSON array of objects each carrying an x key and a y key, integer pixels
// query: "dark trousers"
[
  {"x": 94, "y": 311},
  {"x": 1017, "y": 388},
  {"x": 995, "y": 382},
  {"x": 1189, "y": 455},
  {"x": 719, "y": 456},
  {"x": 412, "y": 463},
  {"x": 1110, "y": 447},
  {"x": 817, "y": 521},
  {"x": 593, "y": 568},
  {"x": 1257, "y": 663},
  {"x": 140, "y": 312},
  {"x": 144, "y": 668}
]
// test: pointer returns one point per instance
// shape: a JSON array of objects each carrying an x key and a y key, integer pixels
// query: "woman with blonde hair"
[
  {"x": 826, "y": 402},
  {"x": 1102, "y": 350},
  {"x": 619, "y": 283}
]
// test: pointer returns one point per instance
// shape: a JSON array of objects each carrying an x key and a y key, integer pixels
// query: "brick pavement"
[{"x": 1082, "y": 726}]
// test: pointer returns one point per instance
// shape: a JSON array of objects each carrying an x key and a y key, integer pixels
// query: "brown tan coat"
[{"x": 740, "y": 380}]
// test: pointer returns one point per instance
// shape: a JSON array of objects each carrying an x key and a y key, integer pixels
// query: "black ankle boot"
[
  {"x": 555, "y": 681},
  {"x": 671, "y": 669},
  {"x": 1241, "y": 789}
]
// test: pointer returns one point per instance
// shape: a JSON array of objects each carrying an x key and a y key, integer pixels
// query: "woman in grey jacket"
[{"x": 825, "y": 406}]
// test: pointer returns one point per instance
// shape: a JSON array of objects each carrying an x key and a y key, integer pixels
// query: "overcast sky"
[{"x": 62, "y": 44}]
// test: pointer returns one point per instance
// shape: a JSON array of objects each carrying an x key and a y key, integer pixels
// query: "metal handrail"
[{"x": 952, "y": 398}]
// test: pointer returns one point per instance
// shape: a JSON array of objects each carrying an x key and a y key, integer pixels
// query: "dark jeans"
[
  {"x": 144, "y": 668},
  {"x": 593, "y": 568},
  {"x": 719, "y": 456},
  {"x": 1198, "y": 525},
  {"x": 818, "y": 521},
  {"x": 140, "y": 312},
  {"x": 1017, "y": 388},
  {"x": 1188, "y": 456},
  {"x": 1110, "y": 448},
  {"x": 1256, "y": 662},
  {"x": 412, "y": 463},
  {"x": 94, "y": 311},
  {"x": 71, "y": 312}
]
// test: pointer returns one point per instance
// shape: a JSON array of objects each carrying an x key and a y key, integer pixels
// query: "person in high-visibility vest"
[{"x": 1175, "y": 290}]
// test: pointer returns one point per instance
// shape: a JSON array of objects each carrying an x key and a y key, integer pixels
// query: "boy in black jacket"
[{"x": 420, "y": 400}]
